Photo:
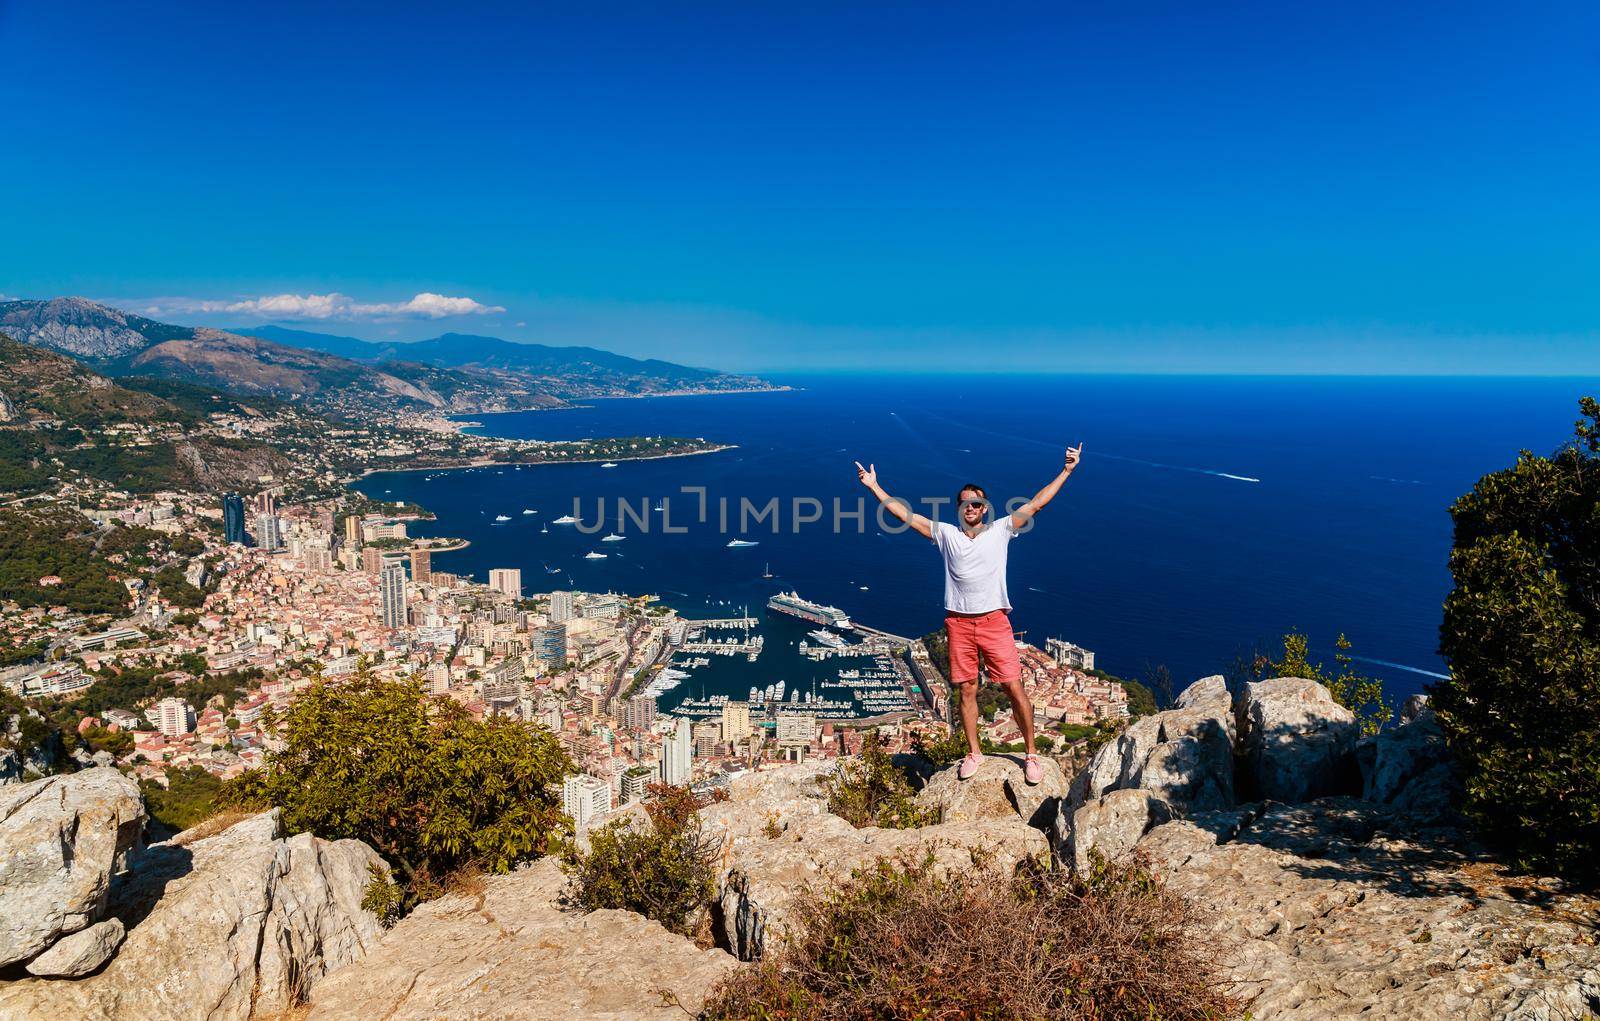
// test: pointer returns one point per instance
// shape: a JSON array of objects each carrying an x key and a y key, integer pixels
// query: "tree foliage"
[
  {"x": 1521, "y": 633},
  {"x": 1360, "y": 694},
  {"x": 870, "y": 790},
  {"x": 665, "y": 871},
  {"x": 421, "y": 780}
]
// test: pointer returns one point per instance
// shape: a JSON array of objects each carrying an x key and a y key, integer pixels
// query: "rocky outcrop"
[
  {"x": 512, "y": 952},
  {"x": 1183, "y": 755},
  {"x": 780, "y": 838},
  {"x": 64, "y": 838},
  {"x": 1337, "y": 908},
  {"x": 8, "y": 410},
  {"x": 1111, "y": 825},
  {"x": 1297, "y": 742},
  {"x": 80, "y": 953},
  {"x": 998, "y": 790},
  {"x": 1410, "y": 768},
  {"x": 219, "y": 927}
]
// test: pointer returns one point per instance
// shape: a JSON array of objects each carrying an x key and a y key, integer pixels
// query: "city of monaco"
[{"x": 746, "y": 512}]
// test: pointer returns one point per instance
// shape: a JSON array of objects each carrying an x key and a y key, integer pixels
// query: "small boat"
[
  {"x": 766, "y": 571},
  {"x": 609, "y": 464},
  {"x": 527, "y": 511},
  {"x": 566, "y": 519},
  {"x": 741, "y": 543},
  {"x": 614, "y": 537},
  {"x": 592, "y": 555},
  {"x": 863, "y": 588},
  {"x": 545, "y": 530},
  {"x": 502, "y": 517}
]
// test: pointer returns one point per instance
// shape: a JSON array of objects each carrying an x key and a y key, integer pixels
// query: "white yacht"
[
  {"x": 609, "y": 464},
  {"x": 592, "y": 555},
  {"x": 741, "y": 543},
  {"x": 502, "y": 517},
  {"x": 566, "y": 519},
  {"x": 614, "y": 537}
]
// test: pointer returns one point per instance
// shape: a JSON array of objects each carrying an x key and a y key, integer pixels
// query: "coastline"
[
  {"x": 539, "y": 464},
  {"x": 455, "y": 420}
]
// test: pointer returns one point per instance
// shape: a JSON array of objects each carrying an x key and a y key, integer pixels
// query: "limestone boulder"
[
  {"x": 1297, "y": 742},
  {"x": 80, "y": 953},
  {"x": 998, "y": 790},
  {"x": 1411, "y": 768},
  {"x": 779, "y": 839},
  {"x": 62, "y": 839},
  {"x": 1338, "y": 908},
  {"x": 1183, "y": 755},
  {"x": 1111, "y": 825},
  {"x": 512, "y": 952},
  {"x": 220, "y": 928}
]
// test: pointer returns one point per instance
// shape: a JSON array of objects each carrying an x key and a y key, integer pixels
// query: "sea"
[{"x": 1210, "y": 515}]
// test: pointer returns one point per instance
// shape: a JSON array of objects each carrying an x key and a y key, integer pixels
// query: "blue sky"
[{"x": 1365, "y": 188}]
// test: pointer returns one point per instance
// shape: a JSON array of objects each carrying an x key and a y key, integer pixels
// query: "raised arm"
[
  {"x": 899, "y": 508},
  {"x": 1019, "y": 517}
]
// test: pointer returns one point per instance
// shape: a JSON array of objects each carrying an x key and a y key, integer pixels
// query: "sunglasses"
[{"x": 974, "y": 503}]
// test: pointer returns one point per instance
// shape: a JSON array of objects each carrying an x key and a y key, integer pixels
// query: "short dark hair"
[{"x": 975, "y": 488}]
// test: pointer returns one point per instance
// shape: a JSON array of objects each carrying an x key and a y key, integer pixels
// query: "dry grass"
[
  {"x": 210, "y": 827},
  {"x": 906, "y": 940}
]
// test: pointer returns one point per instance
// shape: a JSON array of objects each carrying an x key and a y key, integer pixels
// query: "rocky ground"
[{"x": 1334, "y": 878}]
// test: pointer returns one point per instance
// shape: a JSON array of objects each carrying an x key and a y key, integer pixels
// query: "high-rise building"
[
  {"x": 392, "y": 590},
  {"x": 706, "y": 734},
  {"x": 352, "y": 531},
  {"x": 269, "y": 535},
  {"x": 173, "y": 717},
  {"x": 507, "y": 580},
  {"x": 371, "y": 560},
  {"x": 677, "y": 754},
  {"x": 549, "y": 643},
  {"x": 318, "y": 559},
  {"x": 560, "y": 607},
  {"x": 635, "y": 784},
  {"x": 735, "y": 722},
  {"x": 233, "y": 519},
  {"x": 585, "y": 798},
  {"x": 641, "y": 714},
  {"x": 421, "y": 566},
  {"x": 796, "y": 729}
]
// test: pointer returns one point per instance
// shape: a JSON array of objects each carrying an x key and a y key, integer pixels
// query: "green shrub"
[
  {"x": 427, "y": 785},
  {"x": 189, "y": 798},
  {"x": 1360, "y": 694},
  {"x": 1521, "y": 633},
  {"x": 907, "y": 939},
  {"x": 870, "y": 790},
  {"x": 665, "y": 871}
]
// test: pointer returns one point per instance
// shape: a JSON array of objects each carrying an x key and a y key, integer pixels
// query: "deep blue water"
[{"x": 1152, "y": 554}]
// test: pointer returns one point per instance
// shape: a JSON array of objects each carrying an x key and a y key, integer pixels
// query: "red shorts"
[{"x": 989, "y": 634}]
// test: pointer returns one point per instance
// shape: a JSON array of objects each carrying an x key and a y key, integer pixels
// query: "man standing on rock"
[{"x": 975, "y": 599}]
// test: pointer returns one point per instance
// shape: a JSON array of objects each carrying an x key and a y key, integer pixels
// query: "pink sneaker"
[
  {"x": 1032, "y": 771},
  {"x": 969, "y": 765}
]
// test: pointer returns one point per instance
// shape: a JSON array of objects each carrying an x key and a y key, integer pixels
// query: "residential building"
[
  {"x": 706, "y": 735},
  {"x": 392, "y": 591},
  {"x": 641, "y": 712},
  {"x": 506, "y": 580},
  {"x": 269, "y": 533},
  {"x": 421, "y": 566},
  {"x": 585, "y": 798},
  {"x": 352, "y": 531},
  {"x": 233, "y": 519},
  {"x": 172, "y": 717},
  {"x": 560, "y": 607},
  {"x": 796, "y": 730},
  {"x": 635, "y": 785},
  {"x": 735, "y": 722},
  {"x": 677, "y": 754},
  {"x": 549, "y": 643}
]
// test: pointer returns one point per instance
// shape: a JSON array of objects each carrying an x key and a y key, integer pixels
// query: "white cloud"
[{"x": 334, "y": 305}]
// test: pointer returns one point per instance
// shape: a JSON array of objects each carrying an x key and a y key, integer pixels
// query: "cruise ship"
[{"x": 816, "y": 613}]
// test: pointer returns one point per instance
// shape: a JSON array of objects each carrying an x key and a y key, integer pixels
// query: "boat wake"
[{"x": 1402, "y": 666}]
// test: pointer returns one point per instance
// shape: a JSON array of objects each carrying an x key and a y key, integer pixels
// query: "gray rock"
[
  {"x": 1298, "y": 743},
  {"x": 511, "y": 952},
  {"x": 80, "y": 953},
  {"x": 8, "y": 410},
  {"x": 1111, "y": 825},
  {"x": 998, "y": 790},
  {"x": 1413, "y": 707},
  {"x": 220, "y": 928},
  {"x": 1411, "y": 768},
  {"x": 1183, "y": 755},
  {"x": 767, "y": 867},
  {"x": 63, "y": 839},
  {"x": 1336, "y": 909}
]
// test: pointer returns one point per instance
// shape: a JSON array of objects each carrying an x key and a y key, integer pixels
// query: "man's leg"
[
  {"x": 969, "y": 715},
  {"x": 1021, "y": 708}
]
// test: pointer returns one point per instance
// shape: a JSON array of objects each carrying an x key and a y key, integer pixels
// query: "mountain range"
[{"x": 453, "y": 373}]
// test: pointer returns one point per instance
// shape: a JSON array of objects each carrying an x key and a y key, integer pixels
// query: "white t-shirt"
[{"x": 974, "y": 568}]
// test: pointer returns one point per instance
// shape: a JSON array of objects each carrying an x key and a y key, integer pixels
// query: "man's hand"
[
  {"x": 1073, "y": 456},
  {"x": 868, "y": 476}
]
